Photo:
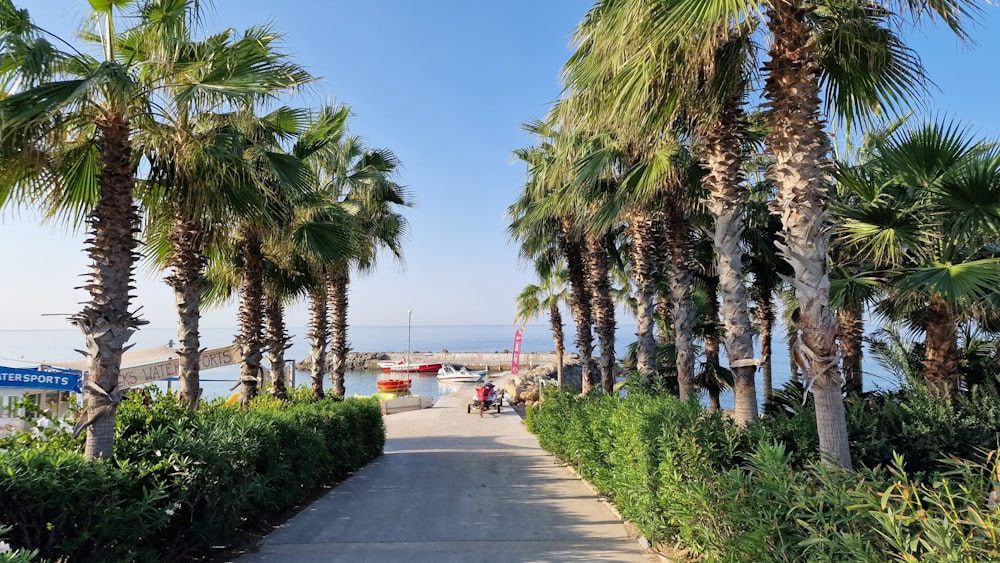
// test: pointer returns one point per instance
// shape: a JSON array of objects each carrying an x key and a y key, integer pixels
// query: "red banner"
[{"x": 515, "y": 360}]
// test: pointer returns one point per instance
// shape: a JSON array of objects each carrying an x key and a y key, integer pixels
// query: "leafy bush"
[
  {"x": 689, "y": 479},
  {"x": 182, "y": 481},
  {"x": 911, "y": 422},
  {"x": 65, "y": 506}
]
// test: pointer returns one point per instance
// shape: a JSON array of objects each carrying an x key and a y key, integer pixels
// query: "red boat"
[
  {"x": 393, "y": 385},
  {"x": 412, "y": 367}
]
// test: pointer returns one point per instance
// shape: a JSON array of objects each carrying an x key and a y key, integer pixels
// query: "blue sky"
[{"x": 445, "y": 85}]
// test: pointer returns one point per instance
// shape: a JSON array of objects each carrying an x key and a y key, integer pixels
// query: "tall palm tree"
[
  {"x": 280, "y": 178},
  {"x": 867, "y": 69},
  {"x": 68, "y": 140},
  {"x": 548, "y": 295},
  {"x": 195, "y": 164},
  {"x": 360, "y": 181},
  {"x": 540, "y": 221}
]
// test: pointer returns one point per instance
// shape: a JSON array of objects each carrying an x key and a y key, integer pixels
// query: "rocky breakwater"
[
  {"x": 525, "y": 387},
  {"x": 355, "y": 361}
]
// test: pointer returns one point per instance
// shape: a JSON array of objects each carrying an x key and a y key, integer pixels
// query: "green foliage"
[
  {"x": 65, "y": 506},
  {"x": 47, "y": 430},
  {"x": 952, "y": 518},
  {"x": 183, "y": 480},
  {"x": 10, "y": 555},
  {"x": 911, "y": 422},
  {"x": 691, "y": 479}
]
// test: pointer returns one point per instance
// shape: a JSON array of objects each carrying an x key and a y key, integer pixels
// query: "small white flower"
[
  {"x": 4, "y": 547},
  {"x": 169, "y": 511},
  {"x": 177, "y": 506}
]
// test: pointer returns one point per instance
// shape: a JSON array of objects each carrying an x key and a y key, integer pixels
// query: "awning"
[{"x": 131, "y": 358}]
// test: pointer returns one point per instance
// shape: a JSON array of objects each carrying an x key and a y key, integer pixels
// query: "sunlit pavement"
[{"x": 454, "y": 487}]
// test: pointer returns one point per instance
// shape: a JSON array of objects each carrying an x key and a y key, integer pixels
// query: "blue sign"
[{"x": 48, "y": 379}]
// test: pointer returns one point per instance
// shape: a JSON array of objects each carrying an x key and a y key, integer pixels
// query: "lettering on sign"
[{"x": 148, "y": 373}]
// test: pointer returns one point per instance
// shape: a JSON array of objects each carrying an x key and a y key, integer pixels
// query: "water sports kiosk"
[{"x": 48, "y": 387}]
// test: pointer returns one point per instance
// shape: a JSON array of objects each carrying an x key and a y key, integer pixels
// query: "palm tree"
[
  {"x": 280, "y": 178},
  {"x": 866, "y": 69},
  {"x": 546, "y": 296},
  {"x": 923, "y": 213},
  {"x": 360, "y": 181},
  {"x": 68, "y": 139},
  {"x": 542, "y": 222},
  {"x": 195, "y": 165}
]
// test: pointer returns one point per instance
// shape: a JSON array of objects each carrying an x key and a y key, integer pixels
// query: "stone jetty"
[{"x": 493, "y": 361}]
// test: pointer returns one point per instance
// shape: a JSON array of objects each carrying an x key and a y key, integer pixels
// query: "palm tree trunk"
[
  {"x": 555, "y": 317},
  {"x": 799, "y": 147},
  {"x": 852, "y": 328},
  {"x": 338, "y": 280},
  {"x": 643, "y": 249},
  {"x": 941, "y": 356},
  {"x": 188, "y": 261},
  {"x": 105, "y": 321},
  {"x": 276, "y": 341},
  {"x": 665, "y": 310},
  {"x": 319, "y": 335},
  {"x": 604, "y": 309},
  {"x": 765, "y": 325},
  {"x": 712, "y": 383},
  {"x": 681, "y": 279},
  {"x": 251, "y": 312},
  {"x": 581, "y": 304},
  {"x": 722, "y": 160}
]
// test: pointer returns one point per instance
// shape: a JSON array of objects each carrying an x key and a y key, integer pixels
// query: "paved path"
[{"x": 454, "y": 487}]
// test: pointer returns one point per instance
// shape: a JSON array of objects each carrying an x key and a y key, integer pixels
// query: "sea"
[{"x": 25, "y": 348}]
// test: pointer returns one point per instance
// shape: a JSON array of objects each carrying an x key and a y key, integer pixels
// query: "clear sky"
[{"x": 445, "y": 85}]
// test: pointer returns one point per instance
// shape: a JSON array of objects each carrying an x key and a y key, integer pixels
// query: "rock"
[{"x": 355, "y": 361}]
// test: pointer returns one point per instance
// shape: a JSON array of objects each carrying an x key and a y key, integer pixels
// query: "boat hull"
[
  {"x": 393, "y": 384},
  {"x": 412, "y": 368}
]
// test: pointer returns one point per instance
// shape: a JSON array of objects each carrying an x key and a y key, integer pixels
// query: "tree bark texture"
[
  {"x": 711, "y": 381},
  {"x": 250, "y": 339},
  {"x": 681, "y": 278},
  {"x": 105, "y": 321},
  {"x": 641, "y": 255},
  {"x": 555, "y": 317},
  {"x": 319, "y": 336},
  {"x": 187, "y": 278},
  {"x": 576, "y": 266},
  {"x": 338, "y": 280},
  {"x": 800, "y": 168},
  {"x": 941, "y": 349},
  {"x": 765, "y": 325},
  {"x": 852, "y": 328},
  {"x": 604, "y": 310},
  {"x": 276, "y": 341},
  {"x": 722, "y": 157}
]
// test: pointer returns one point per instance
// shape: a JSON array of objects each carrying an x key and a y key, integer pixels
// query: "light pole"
[{"x": 409, "y": 317}]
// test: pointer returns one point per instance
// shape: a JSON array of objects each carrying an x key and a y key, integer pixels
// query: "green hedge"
[
  {"x": 181, "y": 481},
  {"x": 694, "y": 482}
]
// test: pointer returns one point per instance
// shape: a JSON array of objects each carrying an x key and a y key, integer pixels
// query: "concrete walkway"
[{"x": 454, "y": 487}]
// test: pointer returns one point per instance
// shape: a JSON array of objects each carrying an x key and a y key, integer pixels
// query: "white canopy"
[{"x": 130, "y": 358}]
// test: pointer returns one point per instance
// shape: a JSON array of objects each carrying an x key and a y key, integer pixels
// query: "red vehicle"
[{"x": 485, "y": 398}]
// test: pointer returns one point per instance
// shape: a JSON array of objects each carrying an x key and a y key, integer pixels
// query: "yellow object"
[{"x": 233, "y": 399}]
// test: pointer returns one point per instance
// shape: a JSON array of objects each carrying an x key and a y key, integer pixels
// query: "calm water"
[{"x": 31, "y": 347}]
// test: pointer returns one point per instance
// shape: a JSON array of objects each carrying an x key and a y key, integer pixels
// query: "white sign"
[{"x": 148, "y": 373}]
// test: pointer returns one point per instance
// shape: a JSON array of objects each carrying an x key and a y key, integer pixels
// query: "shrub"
[
  {"x": 689, "y": 479},
  {"x": 182, "y": 480},
  {"x": 66, "y": 507}
]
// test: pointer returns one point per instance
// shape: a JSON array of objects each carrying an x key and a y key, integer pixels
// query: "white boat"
[{"x": 449, "y": 372}]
